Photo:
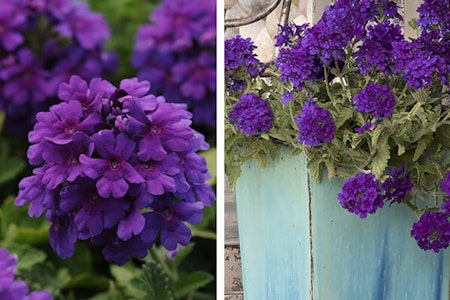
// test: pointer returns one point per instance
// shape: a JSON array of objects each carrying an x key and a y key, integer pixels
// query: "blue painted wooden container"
[{"x": 297, "y": 242}]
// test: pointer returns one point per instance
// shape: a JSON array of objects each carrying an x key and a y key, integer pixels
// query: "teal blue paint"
[
  {"x": 273, "y": 224},
  {"x": 353, "y": 258}
]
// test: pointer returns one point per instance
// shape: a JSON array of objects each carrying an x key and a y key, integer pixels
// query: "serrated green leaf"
[
  {"x": 421, "y": 147},
  {"x": 315, "y": 168},
  {"x": 155, "y": 282},
  {"x": 127, "y": 278},
  {"x": 189, "y": 283},
  {"x": 46, "y": 276},
  {"x": 381, "y": 157},
  {"x": 343, "y": 115}
]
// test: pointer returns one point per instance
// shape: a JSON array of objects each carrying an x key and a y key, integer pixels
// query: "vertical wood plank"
[{"x": 274, "y": 230}]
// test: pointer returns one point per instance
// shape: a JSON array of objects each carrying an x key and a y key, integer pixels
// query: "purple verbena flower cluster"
[
  {"x": 251, "y": 115},
  {"x": 433, "y": 13},
  {"x": 12, "y": 289},
  {"x": 288, "y": 34},
  {"x": 364, "y": 193},
  {"x": 375, "y": 99},
  {"x": 417, "y": 63},
  {"x": 361, "y": 194},
  {"x": 116, "y": 166},
  {"x": 297, "y": 66},
  {"x": 43, "y": 43},
  {"x": 432, "y": 231},
  {"x": 315, "y": 124},
  {"x": 176, "y": 52},
  {"x": 240, "y": 63},
  {"x": 375, "y": 52},
  {"x": 398, "y": 185}
]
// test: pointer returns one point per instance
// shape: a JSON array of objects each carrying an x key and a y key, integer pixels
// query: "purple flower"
[
  {"x": 361, "y": 194},
  {"x": 375, "y": 52},
  {"x": 79, "y": 22},
  {"x": 287, "y": 97},
  {"x": 432, "y": 231},
  {"x": 315, "y": 124},
  {"x": 434, "y": 13},
  {"x": 176, "y": 53},
  {"x": 10, "y": 20},
  {"x": 170, "y": 216},
  {"x": 445, "y": 183},
  {"x": 112, "y": 171},
  {"x": 418, "y": 65},
  {"x": 297, "y": 65},
  {"x": 251, "y": 115},
  {"x": 288, "y": 33},
  {"x": 12, "y": 289},
  {"x": 397, "y": 186},
  {"x": 375, "y": 99},
  {"x": 102, "y": 156},
  {"x": 240, "y": 63},
  {"x": 368, "y": 126},
  {"x": 34, "y": 61}
]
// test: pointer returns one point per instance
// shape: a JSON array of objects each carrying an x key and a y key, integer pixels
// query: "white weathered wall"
[{"x": 263, "y": 31}]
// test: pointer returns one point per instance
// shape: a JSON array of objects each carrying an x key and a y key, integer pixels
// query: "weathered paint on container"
[{"x": 297, "y": 242}]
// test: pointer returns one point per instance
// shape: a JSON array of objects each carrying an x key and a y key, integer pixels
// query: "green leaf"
[
  {"x": 381, "y": 157},
  {"x": 421, "y": 147},
  {"x": 46, "y": 276},
  {"x": 10, "y": 168},
  {"x": 189, "y": 283},
  {"x": 211, "y": 160},
  {"x": 155, "y": 282},
  {"x": 27, "y": 256},
  {"x": 315, "y": 168},
  {"x": 343, "y": 115},
  {"x": 127, "y": 278}
]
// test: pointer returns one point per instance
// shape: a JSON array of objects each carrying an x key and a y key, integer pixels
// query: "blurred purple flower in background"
[
  {"x": 117, "y": 166},
  {"x": 11, "y": 289},
  {"x": 41, "y": 45},
  {"x": 176, "y": 53}
]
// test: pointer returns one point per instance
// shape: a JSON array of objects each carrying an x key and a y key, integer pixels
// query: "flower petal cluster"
[
  {"x": 43, "y": 43},
  {"x": 240, "y": 63},
  {"x": 176, "y": 52},
  {"x": 432, "y": 231},
  {"x": 107, "y": 160},
  {"x": 375, "y": 99},
  {"x": 315, "y": 124},
  {"x": 361, "y": 194},
  {"x": 13, "y": 289},
  {"x": 375, "y": 52},
  {"x": 251, "y": 115},
  {"x": 433, "y": 13},
  {"x": 398, "y": 185}
]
